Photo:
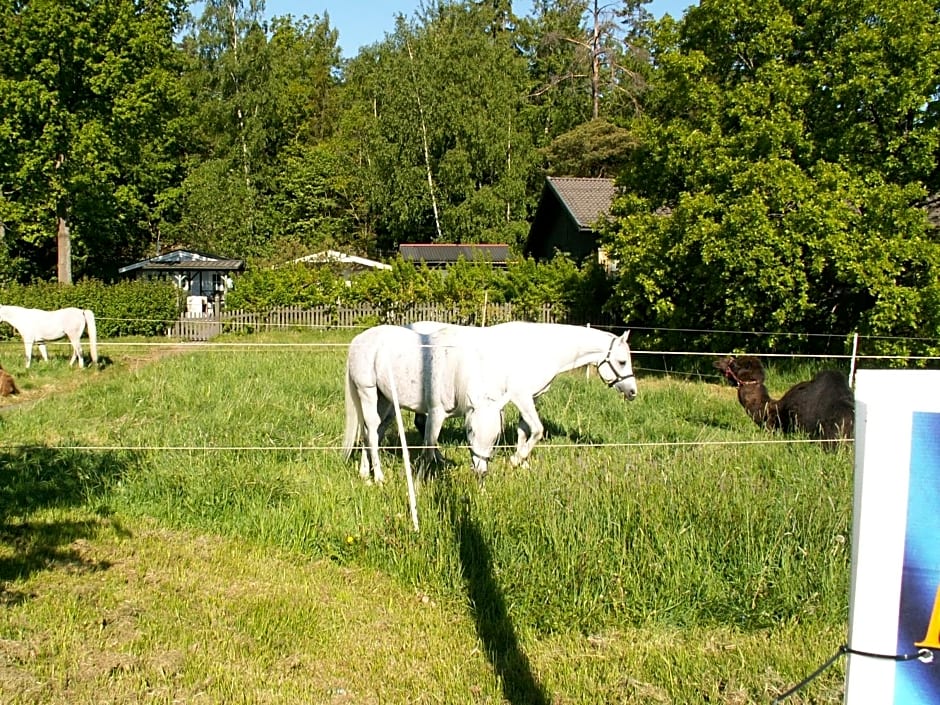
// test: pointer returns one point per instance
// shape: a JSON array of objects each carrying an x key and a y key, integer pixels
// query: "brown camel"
[
  {"x": 7, "y": 385},
  {"x": 823, "y": 408}
]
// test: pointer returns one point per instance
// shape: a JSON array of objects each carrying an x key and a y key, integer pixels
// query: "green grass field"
[{"x": 181, "y": 526}]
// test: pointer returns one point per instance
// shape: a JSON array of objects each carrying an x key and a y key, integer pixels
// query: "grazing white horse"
[
  {"x": 521, "y": 359},
  {"x": 37, "y": 326},
  {"x": 430, "y": 374}
]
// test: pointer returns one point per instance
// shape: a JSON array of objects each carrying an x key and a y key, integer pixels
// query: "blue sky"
[{"x": 362, "y": 22}]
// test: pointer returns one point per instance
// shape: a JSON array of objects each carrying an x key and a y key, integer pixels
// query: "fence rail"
[{"x": 205, "y": 327}]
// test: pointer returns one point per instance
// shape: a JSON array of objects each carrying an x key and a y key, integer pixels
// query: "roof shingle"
[
  {"x": 439, "y": 253},
  {"x": 586, "y": 199}
]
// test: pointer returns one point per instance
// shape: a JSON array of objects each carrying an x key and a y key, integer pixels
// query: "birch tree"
[
  {"x": 443, "y": 129},
  {"x": 260, "y": 93}
]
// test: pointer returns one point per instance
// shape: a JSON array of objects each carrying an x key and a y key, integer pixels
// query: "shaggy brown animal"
[
  {"x": 7, "y": 385},
  {"x": 823, "y": 407}
]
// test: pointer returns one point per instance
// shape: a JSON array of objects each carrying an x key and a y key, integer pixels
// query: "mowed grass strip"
[
  {"x": 646, "y": 556},
  {"x": 136, "y": 613}
]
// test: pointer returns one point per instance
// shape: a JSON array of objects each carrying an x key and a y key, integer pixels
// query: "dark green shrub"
[
  {"x": 463, "y": 288},
  {"x": 141, "y": 307}
]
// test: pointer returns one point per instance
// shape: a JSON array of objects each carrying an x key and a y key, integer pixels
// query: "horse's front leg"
[
  {"x": 432, "y": 431},
  {"x": 530, "y": 432},
  {"x": 42, "y": 351}
]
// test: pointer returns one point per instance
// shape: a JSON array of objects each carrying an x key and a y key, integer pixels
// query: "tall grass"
[
  {"x": 670, "y": 513},
  {"x": 598, "y": 532}
]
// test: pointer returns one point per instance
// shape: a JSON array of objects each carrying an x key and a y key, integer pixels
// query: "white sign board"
[{"x": 894, "y": 601}]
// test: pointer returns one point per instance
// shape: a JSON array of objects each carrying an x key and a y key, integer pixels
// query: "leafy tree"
[
  {"x": 89, "y": 144},
  {"x": 260, "y": 95},
  {"x": 315, "y": 201},
  {"x": 773, "y": 221},
  {"x": 440, "y": 128},
  {"x": 596, "y": 148}
]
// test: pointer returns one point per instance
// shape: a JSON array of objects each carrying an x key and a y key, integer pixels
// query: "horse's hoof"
[{"x": 515, "y": 460}]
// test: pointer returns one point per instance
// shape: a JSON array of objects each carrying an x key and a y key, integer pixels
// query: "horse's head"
[
  {"x": 484, "y": 423},
  {"x": 616, "y": 369}
]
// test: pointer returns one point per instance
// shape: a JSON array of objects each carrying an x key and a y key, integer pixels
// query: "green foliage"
[
  {"x": 779, "y": 219},
  {"x": 790, "y": 144},
  {"x": 130, "y": 307},
  {"x": 298, "y": 285},
  {"x": 463, "y": 287},
  {"x": 589, "y": 65},
  {"x": 440, "y": 129},
  {"x": 592, "y": 149},
  {"x": 88, "y": 106},
  {"x": 261, "y": 96}
]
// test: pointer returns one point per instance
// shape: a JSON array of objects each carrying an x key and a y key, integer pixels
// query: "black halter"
[
  {"x": 618, "y": 378},
  {"x": 474, "y": 454}
]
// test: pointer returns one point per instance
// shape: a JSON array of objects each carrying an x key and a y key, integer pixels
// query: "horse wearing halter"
[{"x": 617, "y": 377}]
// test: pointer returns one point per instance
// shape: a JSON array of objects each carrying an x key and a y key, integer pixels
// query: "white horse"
[
  {"x": 521, "y": 360},
  {"x": 429, "y": 374},
  {"x": 37, "y": 326}
]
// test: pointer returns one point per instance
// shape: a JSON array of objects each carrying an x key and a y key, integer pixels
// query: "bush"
[
  {"x": 127, "y": 308},
  {"x": 290, "y": 285},
  {"x": 580, "y": 292}
]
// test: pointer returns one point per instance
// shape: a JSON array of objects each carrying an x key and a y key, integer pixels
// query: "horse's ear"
[{"x": 625, "y": 336}]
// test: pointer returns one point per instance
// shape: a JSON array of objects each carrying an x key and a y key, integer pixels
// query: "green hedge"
[
  {"x": 580, "y": 291},
  {"x": 143, "y": 308}
]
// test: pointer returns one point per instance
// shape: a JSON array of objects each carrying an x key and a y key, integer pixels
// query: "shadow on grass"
[
  {"x": 456, "y": 435},
  {"x": 40, "y": 478},
  {"x": 554, "y": 430},
  {"x": 493, "y": 625}
]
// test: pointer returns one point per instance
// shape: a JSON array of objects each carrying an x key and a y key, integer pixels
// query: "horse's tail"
[
  {"x": 92, "y": 334},
  {"x": 353, "y": 417}
]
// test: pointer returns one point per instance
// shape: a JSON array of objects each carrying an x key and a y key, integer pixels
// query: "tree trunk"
[
  {"x": 424, "y": 141},
  {"x": 63, "y": 234},
  {"x": 64, "y": 242},
  {"x": 596, "y": 51}
]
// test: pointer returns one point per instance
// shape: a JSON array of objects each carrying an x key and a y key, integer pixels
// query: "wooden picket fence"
[{"x": 206, "y": 327}]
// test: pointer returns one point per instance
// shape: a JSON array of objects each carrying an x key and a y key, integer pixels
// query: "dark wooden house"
[{"x": 568, "y": 212}]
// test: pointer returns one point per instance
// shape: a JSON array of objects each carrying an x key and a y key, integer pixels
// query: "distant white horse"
[
  {"x": 430, "y": 374},
  {"x": 37, "y": 326},
  {"x": 521, "y": 359}
]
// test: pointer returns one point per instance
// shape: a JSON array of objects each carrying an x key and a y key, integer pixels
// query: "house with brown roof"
[
  {"x": 441, "y": 255},
  {"x": 568, "y": 211}
]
